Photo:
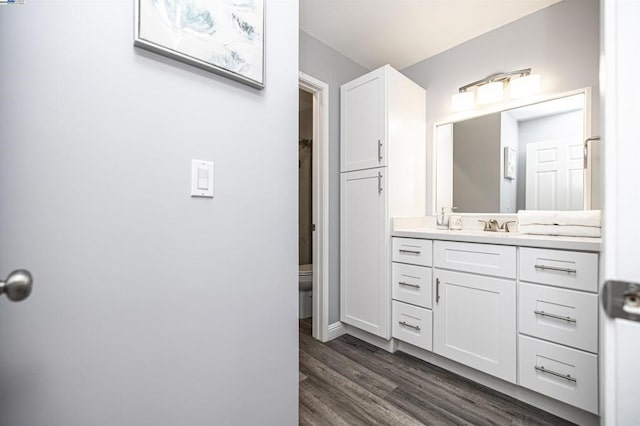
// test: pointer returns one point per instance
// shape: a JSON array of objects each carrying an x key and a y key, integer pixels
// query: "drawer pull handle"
[
  {"x": 554, "y": 268},
  {"x": 437, "y": 290},
  {"x": 415, "y": 327},
  {"x": 409, "y": 251},
  {"x": 553, "y": 373},
  {"x": 408, "y": 284},
  {"x": 379, "y": 150},
  {"x": 560, "y": 317}
]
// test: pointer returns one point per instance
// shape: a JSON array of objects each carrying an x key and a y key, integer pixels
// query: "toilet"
[{"x": 305, "y": 286}]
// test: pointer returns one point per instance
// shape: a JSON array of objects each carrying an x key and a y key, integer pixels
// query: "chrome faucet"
[
  {"x": 505, "y": 226},
  {"x": 492, "y": 225}
]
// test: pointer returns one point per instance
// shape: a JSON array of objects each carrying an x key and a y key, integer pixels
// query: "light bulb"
[
  {"x": 462, "y": 101},
  {"x": 491, "y": 92},
  {"x": 524, "y": 86}
]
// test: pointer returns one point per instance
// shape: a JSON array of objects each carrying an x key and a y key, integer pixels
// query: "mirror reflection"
[{"x": 528, "y": 158}]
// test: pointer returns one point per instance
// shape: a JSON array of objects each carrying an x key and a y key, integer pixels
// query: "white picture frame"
[
  {"x": 509, "y": 163},
  {"x": 222, "y": 36}
]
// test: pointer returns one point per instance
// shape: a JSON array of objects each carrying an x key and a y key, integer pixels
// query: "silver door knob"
[{"x": 17, "y": 286}]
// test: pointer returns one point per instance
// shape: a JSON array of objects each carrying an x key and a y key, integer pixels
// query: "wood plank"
[
  {"x": 365, "y": 377},
  {"x": 321, "y": 408},
  {"x": 353, "y": 397},
  {"x": 422, "y": 395},
  {"x": 348, "y": 381},
  {"x": 306, "y": 416},
  {"x": 469, "y": 401}
]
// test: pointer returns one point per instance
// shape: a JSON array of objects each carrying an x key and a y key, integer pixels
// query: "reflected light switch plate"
[{"x": 201, "y": 178}]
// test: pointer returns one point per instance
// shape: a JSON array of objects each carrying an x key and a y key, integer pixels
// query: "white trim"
[
  {"x": 320, "y": 202},
  {"x": 454, "y": 118},
  {"x": 336, "y": 330},
  {"x": 610, "y": 98},
  {"x": 389, "y": 345}
]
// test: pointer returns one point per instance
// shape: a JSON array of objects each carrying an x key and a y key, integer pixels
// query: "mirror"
[{"x": 528, "y": 158}]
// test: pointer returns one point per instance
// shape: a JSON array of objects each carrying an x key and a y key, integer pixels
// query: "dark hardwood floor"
[{"x": 349, "y": 382}]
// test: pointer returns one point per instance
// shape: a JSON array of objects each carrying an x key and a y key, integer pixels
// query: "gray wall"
[
  {"x": 324, "y": 63},
  {"x": 560, "y": 42},
  {"x": 149, "y": 307},
  {"x": 476, "y": 164}
]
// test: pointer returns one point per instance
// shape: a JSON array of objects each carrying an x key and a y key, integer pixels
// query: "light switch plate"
[{"x": 201, "y": 178}]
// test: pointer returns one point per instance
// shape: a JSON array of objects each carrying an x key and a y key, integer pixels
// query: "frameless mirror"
[{"x": 533, "y": 157}]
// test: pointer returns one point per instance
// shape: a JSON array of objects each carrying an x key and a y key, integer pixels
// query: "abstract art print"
[{"x": 223, "y": 36}]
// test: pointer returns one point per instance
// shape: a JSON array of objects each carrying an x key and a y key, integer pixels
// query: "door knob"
[{"x": 17, "y": 286}]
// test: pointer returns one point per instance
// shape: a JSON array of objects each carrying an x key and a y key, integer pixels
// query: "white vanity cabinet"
[
  {"x": 558, "y": 325},
  {"x": 475, "y": 315},
  {"x": 412, "y": 291},
  {"x": 527, "y": 315},
  {"x": 383, "y": 167}
]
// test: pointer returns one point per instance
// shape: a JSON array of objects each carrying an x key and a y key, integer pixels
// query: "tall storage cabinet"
[{"x": 383, "y": 175}]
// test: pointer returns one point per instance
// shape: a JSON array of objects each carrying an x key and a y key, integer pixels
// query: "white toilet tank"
[
  {"x": 305, "y": 277},
  {"x": 305, "y": 285}
]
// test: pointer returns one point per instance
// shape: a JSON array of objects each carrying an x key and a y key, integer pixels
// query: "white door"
[
  {"x": 475, "y": 322},
  {"x": 365, "y": 296},
  {"x": 363, "y": 124},
  {"x": 555, "y": 175},
  {"x": 620, "y": 344}
]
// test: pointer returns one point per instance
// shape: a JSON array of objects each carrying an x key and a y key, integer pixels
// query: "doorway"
[{"x": 318, "y": 151}]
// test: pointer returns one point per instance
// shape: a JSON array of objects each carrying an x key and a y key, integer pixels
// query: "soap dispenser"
[{"x": 442, "y": 221}]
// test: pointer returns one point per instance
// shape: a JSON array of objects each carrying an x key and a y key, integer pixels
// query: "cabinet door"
[
  {"x": 475, "y": 322},
  {"x": 365, "y": 294},
  {"x": 363, "y": 123}
]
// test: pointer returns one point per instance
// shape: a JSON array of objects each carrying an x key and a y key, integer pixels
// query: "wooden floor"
[{"x": 349, "y": 382}]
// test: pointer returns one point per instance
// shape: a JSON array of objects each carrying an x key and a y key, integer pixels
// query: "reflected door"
[{"x": 554, "y": 175}]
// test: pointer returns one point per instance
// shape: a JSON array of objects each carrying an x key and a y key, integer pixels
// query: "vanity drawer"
[
  {"x": 412, "y": 250},
  {"x": 487, "y": 259},
  {"x": 413, "y": 325},
  {"x": 566, "y": 374},
  {"x": 563, "y": 316},
  {"x": 411, "y": 284},
  {"x": 559, "y": 268}
]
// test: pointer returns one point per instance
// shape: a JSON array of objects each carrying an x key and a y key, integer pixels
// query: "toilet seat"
[{"x": 305, "y": 270}]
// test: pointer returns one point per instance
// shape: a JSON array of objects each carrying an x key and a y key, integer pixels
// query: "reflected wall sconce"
[{"x": 521, "y": 83}]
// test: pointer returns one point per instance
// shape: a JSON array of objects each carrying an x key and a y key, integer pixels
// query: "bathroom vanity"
[
  {"x": 520, "y": 308},
  {"x": 515, "y": 312}
]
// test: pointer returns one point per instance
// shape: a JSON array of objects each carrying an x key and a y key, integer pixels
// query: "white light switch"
[{"x": 201, "y": 178}]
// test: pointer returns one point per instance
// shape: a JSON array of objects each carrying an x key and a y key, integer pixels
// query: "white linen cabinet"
[{"x": 383, "y": 175}]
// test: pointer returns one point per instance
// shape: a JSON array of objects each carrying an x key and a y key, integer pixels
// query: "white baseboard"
[
  {"x": 387, "y": 345},
  {"x": 335, "y": 330}
]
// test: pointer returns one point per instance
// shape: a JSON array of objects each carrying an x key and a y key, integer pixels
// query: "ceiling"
[{"x": 403, "y": 32}]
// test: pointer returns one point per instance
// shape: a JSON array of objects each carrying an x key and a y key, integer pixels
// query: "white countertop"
[{"x": 502, "y": 238}]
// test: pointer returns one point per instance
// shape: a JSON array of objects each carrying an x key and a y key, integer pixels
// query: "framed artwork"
[
  {"x": 509, "y": 163},
  {"x": 221, "y": 36}
]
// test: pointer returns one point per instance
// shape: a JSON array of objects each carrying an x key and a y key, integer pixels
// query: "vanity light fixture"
[
  {"x": 490, "y": 92},
  {"x": 491, "y": 89},
  {"x": 524, "y": 86},
  {"x": 462, "y": 101}
]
